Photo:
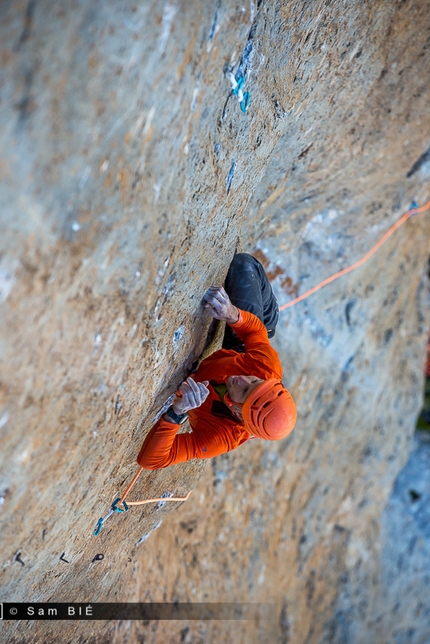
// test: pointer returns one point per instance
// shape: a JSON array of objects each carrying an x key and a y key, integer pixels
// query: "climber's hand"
[
  {"x": 193, "y": 393},
  {"x": 218, "y": 303}
]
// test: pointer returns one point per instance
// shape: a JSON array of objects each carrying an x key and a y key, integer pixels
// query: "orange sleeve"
[
  {"x": 257, "y": 345},
  {"x": 163, "y": 446},
  {"x": 250, "y": 329}
]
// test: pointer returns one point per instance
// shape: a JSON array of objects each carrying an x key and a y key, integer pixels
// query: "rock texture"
[
  {"x": 129, "y": 175},
  {"x": 400, "y": 605}
]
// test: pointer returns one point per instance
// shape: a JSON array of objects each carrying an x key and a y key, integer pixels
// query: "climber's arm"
[
  {"x": 160, "y": 447},
  {"x": 164, "y": 447},
  {"x": 247, "y": 327}
]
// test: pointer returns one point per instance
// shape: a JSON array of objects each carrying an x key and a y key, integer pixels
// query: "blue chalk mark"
[
  {"x": 98, "y": 527},
  {"x": 415, "y": 206},
  {"x": 244, "y": 104}
]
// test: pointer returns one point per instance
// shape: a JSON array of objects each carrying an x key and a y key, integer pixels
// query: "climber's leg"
[{"x": 249, "y": 289}]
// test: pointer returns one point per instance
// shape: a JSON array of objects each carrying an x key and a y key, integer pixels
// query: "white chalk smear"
[
  {"x": 6, "y": 283},
  {"x": 132, "y": 332},
  {"x": 23, "y": 456},
  {"x": 84, "y": 177},
  {"x": 156, "y": 187},
  {"x": 145, "y": 536},
  {"x": 169, "y": 13},
  {"x": 194, "y": 99},
  {"x": 3, "y": 419},
  {"x": 148, "y": 121}
]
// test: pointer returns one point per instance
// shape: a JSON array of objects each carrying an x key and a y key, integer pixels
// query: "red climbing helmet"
[{"x": 269, "y": 411}]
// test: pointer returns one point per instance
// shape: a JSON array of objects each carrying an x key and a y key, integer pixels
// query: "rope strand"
[
  {"x": 131, "y": 485},
  {"x": 172, "y": 498}
]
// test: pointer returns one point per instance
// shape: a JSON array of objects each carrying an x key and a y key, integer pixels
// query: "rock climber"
[{"x": 236, "y": 393}]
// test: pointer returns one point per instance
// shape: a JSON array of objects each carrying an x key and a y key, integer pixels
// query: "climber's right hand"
[
  {"x": 193, "y": 394},
  {"x": 218, "y": 303}
]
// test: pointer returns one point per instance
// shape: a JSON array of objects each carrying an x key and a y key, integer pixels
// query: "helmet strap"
[{"x": 235, "y": 407}]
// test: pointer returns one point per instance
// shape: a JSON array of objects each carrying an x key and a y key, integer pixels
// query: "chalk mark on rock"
[{"x": 230, "y": 176}]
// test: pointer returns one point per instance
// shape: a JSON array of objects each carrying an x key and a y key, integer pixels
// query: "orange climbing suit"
[{"x": 215, "y": 430}]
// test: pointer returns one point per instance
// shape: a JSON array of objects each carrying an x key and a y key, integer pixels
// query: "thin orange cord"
[
  {"x": 162, "y": 499},
  {"x": 412, "y": 211}
]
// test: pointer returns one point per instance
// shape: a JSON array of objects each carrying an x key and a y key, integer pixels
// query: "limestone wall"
[{"x": 129, "y": 176}]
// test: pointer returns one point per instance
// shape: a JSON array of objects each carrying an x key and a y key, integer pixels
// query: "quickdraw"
[{"x": 121, "y": 500}]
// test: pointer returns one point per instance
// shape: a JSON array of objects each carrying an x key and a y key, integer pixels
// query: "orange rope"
[
  {"x": 172, "y": 498},
  {"x": 412, "y": 211},
  {"x": 131, "y": 485}
]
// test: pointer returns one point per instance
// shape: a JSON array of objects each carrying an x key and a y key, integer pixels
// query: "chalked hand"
[
  {"x": 218, "y": 304},
  {"x": 192, "y": 395}
]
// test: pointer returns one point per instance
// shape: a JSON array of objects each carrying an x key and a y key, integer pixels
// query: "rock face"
[
  {"x": 129, "y": 176},
  {"x": 399, "y": 604}
]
